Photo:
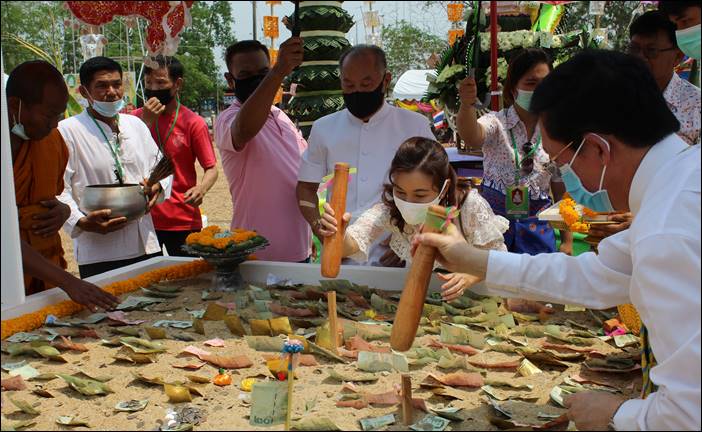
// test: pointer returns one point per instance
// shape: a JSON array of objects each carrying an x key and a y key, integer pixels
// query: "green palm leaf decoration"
[
  {"x": 312, "y": 78},
  {"x": 322, "y": 18},
  {"x": 310, "y": 108},
  {"x": 318, "y": 91},
  {"x": 324, "y": 47}
]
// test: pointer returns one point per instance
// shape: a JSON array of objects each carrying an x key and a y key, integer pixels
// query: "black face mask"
[
  {"x": 164, "y": 95},
  {"x": 363, "y": 104},
  {"x": 243, "y": 88}
]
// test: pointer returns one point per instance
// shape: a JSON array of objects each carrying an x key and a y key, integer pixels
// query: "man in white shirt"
[
  {"x": 104, "y": 145},
  {"x": 365, "y": 135},
  {"x": 655, "y": 264},
  {"x": 652, "y": 37}
]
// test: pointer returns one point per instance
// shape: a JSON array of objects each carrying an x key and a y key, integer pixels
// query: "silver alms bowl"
[{"x": 126, "y": 200}]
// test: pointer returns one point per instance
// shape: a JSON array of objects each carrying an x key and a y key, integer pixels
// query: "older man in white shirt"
[
  {"x": 365, "y": 135},
  {"x": 655, "y": 264},
  {"x": 103, "y": 147}
]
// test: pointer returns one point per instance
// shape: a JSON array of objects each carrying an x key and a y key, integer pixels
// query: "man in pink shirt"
[
  {"x": 261, "y": 150},
  {"x": 184, "y": 137}
]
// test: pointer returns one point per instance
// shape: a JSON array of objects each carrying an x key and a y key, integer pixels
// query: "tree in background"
[
  {"x": 211, "y": 27},
  {"x": 39, "y": 23},
  {"x": 47, "y": 25},
  {"x": 408, "y": 47}
]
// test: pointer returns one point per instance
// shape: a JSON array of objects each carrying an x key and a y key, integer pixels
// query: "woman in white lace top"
[{"x": 420, "y": 175}]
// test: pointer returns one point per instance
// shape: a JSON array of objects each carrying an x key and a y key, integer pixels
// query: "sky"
[{"x": 433, "y": 19}]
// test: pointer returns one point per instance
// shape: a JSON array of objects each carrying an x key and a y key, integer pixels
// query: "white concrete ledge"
[{"x": 256, "y": 272}]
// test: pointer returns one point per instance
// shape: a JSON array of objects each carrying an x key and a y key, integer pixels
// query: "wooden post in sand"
[
  {"x": 406, "y": 399},
  {"x": 333, "y": 323}
]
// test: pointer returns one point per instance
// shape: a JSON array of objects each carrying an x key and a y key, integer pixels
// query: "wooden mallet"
[
  {"x": 333, "y": 245},
  {"x": 409, "y": 311}
]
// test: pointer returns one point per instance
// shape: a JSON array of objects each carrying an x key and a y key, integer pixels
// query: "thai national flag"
[{"x": 439, "y": 120}]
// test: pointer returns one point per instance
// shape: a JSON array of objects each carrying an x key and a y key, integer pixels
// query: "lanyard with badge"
[
  {"x": 115, "y": 150},
  {"x": 161, "y": 145},
  {"x": 517, "y": 197}
]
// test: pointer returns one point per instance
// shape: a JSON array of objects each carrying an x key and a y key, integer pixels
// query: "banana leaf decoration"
[
  {"x": 310, "y": 108},
  {"x": 318, "y": 85},
  {"x": 324, "y": 47},
  {"x": 322, "y": 18},
  {"x": 316, "y": 78}
]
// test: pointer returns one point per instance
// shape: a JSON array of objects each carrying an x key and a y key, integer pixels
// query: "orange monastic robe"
[{"x": 38, "y": 171}]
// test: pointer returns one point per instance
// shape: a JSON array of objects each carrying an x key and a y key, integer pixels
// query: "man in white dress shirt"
[
  {"x": 365, "y": 135},
  {"x": 104, "y": 145},
  {"x": 655, "y": 264}
]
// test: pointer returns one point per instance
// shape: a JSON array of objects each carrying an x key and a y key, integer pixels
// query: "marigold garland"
[
  {"x": 34, "y": 320},
  {"x": 628, "y": 313},
  {"x": 572, "y": 217},
  {"x": 206, "y": 237}
]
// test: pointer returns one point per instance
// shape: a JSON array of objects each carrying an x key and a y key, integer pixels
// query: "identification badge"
[{"x": 517, "y": 202}]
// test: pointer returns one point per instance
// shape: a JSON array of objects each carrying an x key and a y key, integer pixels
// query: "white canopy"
[{"x": 412, "y": 84}]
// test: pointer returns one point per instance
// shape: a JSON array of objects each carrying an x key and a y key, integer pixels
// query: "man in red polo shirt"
[{"x": 185, "y": 137}]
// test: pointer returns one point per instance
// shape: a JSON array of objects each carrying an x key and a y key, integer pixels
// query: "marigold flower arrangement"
[
  {"x": 34, "y": 320},
  {"x": 214, "y": 240},
  {"x": 571, "y": 216}
]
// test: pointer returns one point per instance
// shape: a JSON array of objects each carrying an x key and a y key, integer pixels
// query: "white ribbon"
[
  {"x": 313, "y": 33},
  {"x": 320, "y": 63}
]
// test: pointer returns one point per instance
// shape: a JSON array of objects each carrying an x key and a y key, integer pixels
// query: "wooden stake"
[
  {"x": 333, "y": 324},
  {"x": 291, "y": 380},
  {"x": 406, "y": 399}
]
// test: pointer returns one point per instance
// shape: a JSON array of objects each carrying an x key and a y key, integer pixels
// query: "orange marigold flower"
[{"x": 34, "y": 320}]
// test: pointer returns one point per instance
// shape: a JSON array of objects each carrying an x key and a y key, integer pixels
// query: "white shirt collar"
[{"x": 660, "y": 154}]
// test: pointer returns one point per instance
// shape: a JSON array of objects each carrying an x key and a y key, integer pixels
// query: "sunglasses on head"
[{"x": 527, "y": 164}]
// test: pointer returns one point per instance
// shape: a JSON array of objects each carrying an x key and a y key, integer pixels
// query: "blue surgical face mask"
[
  {"x": 18, "y": 128},
  {"x": 524, "y": 98},
  {"x": 107, "y": 109},
  {"x": 597, "y": 201}
]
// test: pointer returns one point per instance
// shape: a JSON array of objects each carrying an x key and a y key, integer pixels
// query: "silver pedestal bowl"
[
  {"x": 126, "y": 200},
  {"x": 226, "y": 263}
]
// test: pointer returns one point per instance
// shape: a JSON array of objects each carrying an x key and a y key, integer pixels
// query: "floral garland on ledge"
[
  {"x": 573, "y": 218},
  {"x": 34, "y": 320}
]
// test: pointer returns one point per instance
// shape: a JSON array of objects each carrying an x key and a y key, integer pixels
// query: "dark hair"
[
  {"x": 175, "y": 67},
  {"x": 676, "y": 8},
  {"x": 650, "y": 23},
  {"x": 605, "y": 92},
  {"x": 428, "y": 156},
  {"x": 244, "y": 46},
  {"x": 359, "y": 49},
  {"x": 22, "y": 81},
  {"x": 95, "y": 65},
  {"x": 519, "y": 65}
]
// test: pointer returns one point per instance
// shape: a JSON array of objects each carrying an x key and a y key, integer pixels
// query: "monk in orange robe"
[
  {"x": 36, "y": 100},
  {"x": 38, "y": 172}
]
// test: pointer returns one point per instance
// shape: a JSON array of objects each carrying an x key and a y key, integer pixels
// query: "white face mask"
[
  {"x": 106, "y": 109},
  {"x": 18, "y": 128},
  {"x": 416, "y": 213}
]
